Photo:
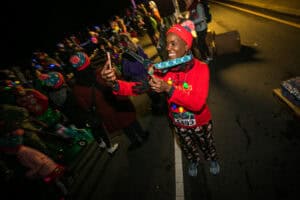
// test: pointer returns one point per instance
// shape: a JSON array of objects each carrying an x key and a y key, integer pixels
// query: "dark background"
[{"x": 27, "y": 26}]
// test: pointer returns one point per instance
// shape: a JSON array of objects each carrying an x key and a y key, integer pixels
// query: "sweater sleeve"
[{"x": 125, "y": 88}]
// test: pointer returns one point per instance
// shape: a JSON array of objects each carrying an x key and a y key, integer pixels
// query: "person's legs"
[
  {"x": 203, "y": 48},
  {"x": 207, "y": 145},
  {"x": 195, "y": 49},
  {"x": 134, "y": 138},
  {"x": 189, "y": 148},
  {"x": 100, "y": 134},
  {"x": 137, "y": 127}
]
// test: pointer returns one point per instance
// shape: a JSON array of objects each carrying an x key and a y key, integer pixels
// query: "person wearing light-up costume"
[{"x": 185, "y": 81}]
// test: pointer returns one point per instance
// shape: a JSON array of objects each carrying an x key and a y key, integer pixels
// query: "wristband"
[{"x": 115, "y": 86}]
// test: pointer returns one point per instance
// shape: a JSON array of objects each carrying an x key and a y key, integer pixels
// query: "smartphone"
[{"x": 109, "y": 60}]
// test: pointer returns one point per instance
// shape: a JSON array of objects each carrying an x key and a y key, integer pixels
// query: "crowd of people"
[{"x": 84, "y": 87}]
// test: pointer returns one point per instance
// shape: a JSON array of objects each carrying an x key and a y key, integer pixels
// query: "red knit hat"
[{"x": 183, "y": 33}]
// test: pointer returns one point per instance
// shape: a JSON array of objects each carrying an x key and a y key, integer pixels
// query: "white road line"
[
  {"x": 179, "y": 184},
  {"x": 261, "y": 15}
]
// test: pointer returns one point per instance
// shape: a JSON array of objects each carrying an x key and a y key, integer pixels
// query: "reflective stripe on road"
[
  {"x": 179, "y": 184},
  {"x": 261, "y": 15}
]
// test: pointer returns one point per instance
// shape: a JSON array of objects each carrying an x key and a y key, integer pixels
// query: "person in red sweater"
[{"x": 185, "y": 81}]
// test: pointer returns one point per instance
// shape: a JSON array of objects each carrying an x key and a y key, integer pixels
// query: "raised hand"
[{"x": 108, "y": 73}]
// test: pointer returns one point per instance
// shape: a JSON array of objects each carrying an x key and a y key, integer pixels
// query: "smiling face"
[{"x": 176, "y": 47}]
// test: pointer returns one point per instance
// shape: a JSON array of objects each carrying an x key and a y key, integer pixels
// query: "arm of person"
[{"x": 119, "y": 87}]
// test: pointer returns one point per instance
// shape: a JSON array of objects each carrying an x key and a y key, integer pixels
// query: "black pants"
[
  {"x": 195, "y": 140},
  {"x": 201, "y": 43}
]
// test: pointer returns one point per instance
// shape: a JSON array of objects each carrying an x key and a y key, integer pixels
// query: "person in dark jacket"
[
  {"x": 133, "y": 68},
  {"x": 116, "y": 113},
  {"x": 89, "y": 99}
]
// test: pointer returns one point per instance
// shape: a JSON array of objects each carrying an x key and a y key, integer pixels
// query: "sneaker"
[
  {"x": 193, "y": 171},
  {"x": 102, "y": 145},
  {"x": 113, "y": 149},
  {"x": 209, "y": 58},
  {"x": 214, "y": 167}
]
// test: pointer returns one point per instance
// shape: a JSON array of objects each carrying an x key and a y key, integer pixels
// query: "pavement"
[{"x": 289, "y": 7}]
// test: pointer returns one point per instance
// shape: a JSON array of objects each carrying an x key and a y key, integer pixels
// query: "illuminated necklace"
[
  {"x": 171, "y": 63},
  {"x": 161, "y": 65}
]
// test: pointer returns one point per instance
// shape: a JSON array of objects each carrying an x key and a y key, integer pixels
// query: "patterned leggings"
[{"x": 194, "y": 140}]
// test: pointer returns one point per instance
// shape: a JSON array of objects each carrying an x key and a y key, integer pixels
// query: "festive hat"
[
  {"x": 52, "y": 79},
  {"x": 80, "y": 60},
  {"x": 183, "y": 33},
  {"x": 190, "y": 26}
]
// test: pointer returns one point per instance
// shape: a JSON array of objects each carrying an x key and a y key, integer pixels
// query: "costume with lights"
[
  {"x": 187, "y": 107},
  {"x": 187, "y": 104}
]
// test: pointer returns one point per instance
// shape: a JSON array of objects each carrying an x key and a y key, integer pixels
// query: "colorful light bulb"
[
  {"x": 180, "y": 109},
  {"x": 173, "y": 106},
  {"x": 185, "y": 85}
]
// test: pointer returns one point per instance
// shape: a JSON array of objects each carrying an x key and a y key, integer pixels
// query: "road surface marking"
[
  {"x": 261, "y": 15},
  {"x": 179, "y": 184}
]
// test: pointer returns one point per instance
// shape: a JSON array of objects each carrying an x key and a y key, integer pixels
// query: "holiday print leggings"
[{"x": 194, "y": 140}]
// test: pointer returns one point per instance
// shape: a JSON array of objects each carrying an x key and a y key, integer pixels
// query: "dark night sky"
[
  {"x": 27, "y": 26},
  {"x": 30, "y": 25}
]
